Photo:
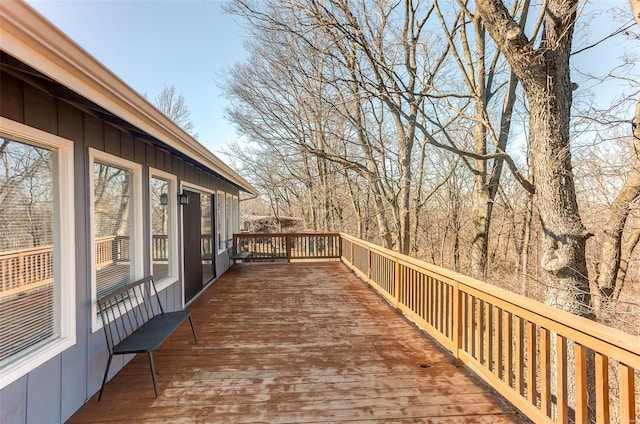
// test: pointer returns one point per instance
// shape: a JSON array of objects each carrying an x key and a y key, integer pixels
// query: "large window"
[
  {"x": 116, "y": 217},
  {"x": 37, "y": 283},
  {"x": 164, "y": 248}
]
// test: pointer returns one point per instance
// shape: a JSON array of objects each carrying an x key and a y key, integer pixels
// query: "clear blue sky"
[
  {"x": 148, "y": 44},
  {"x": 189, "y": 43}
]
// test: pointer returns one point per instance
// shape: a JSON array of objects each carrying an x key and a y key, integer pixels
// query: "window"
[
  {"x": 116, "y": 224},
  {"x": 163, "y": 204},
  {"x": 37, "y": 260},
  {"x": 236, "y": 214},
  {"x": 206, "y": 240},
  {"x": 229, "y": 220},
  {"x": 220, "y": 221}
]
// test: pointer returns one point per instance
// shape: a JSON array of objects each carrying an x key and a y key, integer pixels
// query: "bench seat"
[
  {"x": 152, "y": 333},
  {"x": 240, "y": 256}
]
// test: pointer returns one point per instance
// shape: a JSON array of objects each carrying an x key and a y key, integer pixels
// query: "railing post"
[
  {"x": 235, "y": 244},
  {"x": 369, "y": 261},
  {"x": 457, "y": 324},
  {"x": 396, "y": 283},
  {"x": 351, "y": 253},
  {"x": 288, "y": 245}
]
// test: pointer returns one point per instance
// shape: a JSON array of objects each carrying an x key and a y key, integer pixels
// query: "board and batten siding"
[{"x": 55, "y": 390}]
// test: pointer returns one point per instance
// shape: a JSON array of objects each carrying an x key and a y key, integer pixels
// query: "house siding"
[{"x": 56, "y": 389}]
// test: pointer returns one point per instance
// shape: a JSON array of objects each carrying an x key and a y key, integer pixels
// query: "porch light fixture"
[
  {"x": 183, "y": 199},
  {"x": 164, "y": 199}
]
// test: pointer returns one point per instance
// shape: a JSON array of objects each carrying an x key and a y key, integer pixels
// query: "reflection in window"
[
  {"x": 112, "y": 218},
  {"x": 160, "y": 228},
  {"x": 229, "y": 220},
  {"x": 29, "y": 289},
  {"x": 206, "y": 239},
  {"x": 236, "y": 214}
]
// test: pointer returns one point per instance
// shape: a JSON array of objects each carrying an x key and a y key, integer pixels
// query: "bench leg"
[
  {"x": 153, "y": 373},
  {"x": 104, "y": 379},
  {"x": 193, "y": 330}
]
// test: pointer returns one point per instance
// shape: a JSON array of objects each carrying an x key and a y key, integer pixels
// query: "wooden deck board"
[{"x": 296, "y": 343}]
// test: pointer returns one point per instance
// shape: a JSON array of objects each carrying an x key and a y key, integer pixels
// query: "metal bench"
[
  {"x": 240, "y": 256},
  {"x": 135, "y": 322}
]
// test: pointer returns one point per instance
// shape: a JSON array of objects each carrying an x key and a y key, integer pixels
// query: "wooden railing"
[
  {"x": 288, "y": 246},
  {"x": 25, "y": 267},
  {"x": 515, "y": 344},
  {"x": 28, "y": 269},
  {"x": 113, "y": 250}
]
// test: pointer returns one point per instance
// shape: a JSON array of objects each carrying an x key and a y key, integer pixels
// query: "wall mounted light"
[
  {"x": 164, "y": 199},
  {"x": 183, "y": 199}
]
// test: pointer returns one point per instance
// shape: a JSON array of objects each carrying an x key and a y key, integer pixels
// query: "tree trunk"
[
  {"x": 611, "y": 252},
  {"x": 627, "y": 250},
  {"x": 545, "y": 77},
  {"x": 482, "y": 206},
  {"x": 526, "y": 239}
]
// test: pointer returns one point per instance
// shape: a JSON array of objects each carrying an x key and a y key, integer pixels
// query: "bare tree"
[{"x": 173, "y": 105}]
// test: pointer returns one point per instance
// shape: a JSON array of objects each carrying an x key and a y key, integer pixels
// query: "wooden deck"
[{"x": 296, "y": 343}]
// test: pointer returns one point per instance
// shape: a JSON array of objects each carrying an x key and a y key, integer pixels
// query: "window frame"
[
  {"x": 63, "y": 238},
  {"x": 229, "y": 219},
  {"x": 222, "y": 235},
  {"x": 172, "y": 191},
  {"x": 236, "y": 216},
  {"x": 136, "y": 243}
]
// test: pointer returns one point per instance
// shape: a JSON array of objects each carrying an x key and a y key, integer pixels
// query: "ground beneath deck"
[{"x": 296, "y": 343}]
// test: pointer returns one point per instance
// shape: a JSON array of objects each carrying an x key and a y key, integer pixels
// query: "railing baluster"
[
  {"x": 458, "y": 304},
  {"x": 627, "y": 394},
  {"x": 478, "y": 329},
  {"x": 581, "y": 408},
  {"x": 602, "y": 389},
  {"x": 466, "y": 323},
  {"x": 519, "y": 356},
  {"x": 396, "y": 283},
  {"x": 487, "y": 329},
  {"x": 497, "y": 343},
  {"x": 531, "y": 363},
  {"x": 545, "y": 371},
  {"x": 561, "y": 380}
]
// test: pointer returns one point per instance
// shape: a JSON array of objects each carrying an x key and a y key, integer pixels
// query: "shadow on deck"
[{"x": 296, "y": 343}]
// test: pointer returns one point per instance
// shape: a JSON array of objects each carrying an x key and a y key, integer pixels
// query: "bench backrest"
[{"x": 127, "y": 308}]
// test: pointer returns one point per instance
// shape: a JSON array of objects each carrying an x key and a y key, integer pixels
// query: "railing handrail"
[
  {"x": 27, "y": 250},
  {"x": 285, "y": 235}
]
